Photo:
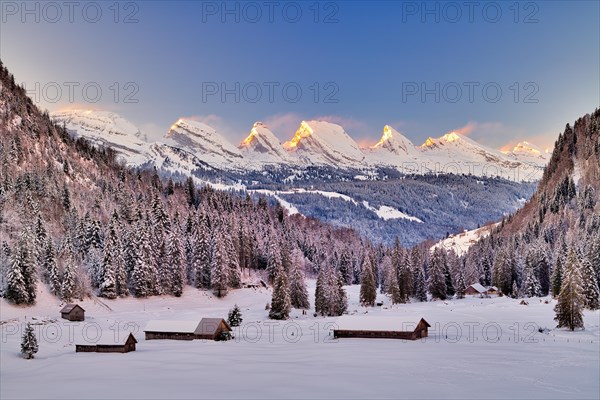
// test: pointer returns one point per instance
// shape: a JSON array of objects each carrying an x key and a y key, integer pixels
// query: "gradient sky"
[{"x": 373, "y": 52}]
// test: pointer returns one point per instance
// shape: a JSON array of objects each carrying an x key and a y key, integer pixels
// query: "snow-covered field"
[{"x": 479, "y": 348}]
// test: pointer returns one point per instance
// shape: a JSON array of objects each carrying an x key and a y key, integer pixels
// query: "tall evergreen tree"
[
  {"x": 368, "y": 288},
  {"x": 437, "y": 277},
  {"x": 531, "y": 285},
  {"x": 569, "y": 310},
  {"x": 321, "y": 289},
  {"x": 589, "y": 285},
  {"x": 421, "y": 285},
  {"x": 219, "y": 268},
  {"x": 298, "y": 292},
  {"x": 281, "y": 303}
]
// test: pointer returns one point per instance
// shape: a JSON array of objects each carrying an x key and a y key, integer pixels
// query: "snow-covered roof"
[
  {"x": 206, "y": 326},
  {"x": 479, "y": 287},
  {"x": 69, "y": 307},
  {"x": 172, "y": 326},
  {"x": 363, "y": 322}
]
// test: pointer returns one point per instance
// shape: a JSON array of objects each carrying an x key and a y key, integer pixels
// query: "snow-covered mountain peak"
[
  {"x": 261, "y": 145},
  {"x": 99, "y": 122},
  {"x": 527, "y": 148},
  {"x": 109, "y": 129},
  {"x": 394, "y": 142},
  {"x": 321, "y": 142},
  {"x": 202, "y": 141}
]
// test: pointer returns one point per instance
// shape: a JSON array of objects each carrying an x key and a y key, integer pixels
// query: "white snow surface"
[
  {"x": 262, "y": 147},
  {"x": 461, "y": 242},
  {"x": 107, "y": 129},
  {"x": 205, "y": 143},
  {"x": 474, "y": 346},
  {"x": 325, "y": 143}
]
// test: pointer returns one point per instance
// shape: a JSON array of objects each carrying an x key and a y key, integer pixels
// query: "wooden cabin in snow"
[
  {"x": 126, "y": 347},
  {"x": 476, "y": 289},
  {"x": 379, "y": 328},
  {"x": 207, "y": 328},
  {"x": 73, "y": 312}
]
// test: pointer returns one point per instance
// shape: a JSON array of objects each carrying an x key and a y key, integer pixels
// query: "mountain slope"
[
  {"x": 324, "y": 143},
  {"x": 109, "y": 129},
  {"x": 204, "y": 142},
  {"x": 261, "y": 146}
]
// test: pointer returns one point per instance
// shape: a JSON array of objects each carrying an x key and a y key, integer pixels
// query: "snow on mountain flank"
[
  {"x": 205, "y": 143},
  {"x": 393, "y": 142},
  {"x": 109, "y": 129},
  {"x": 262, "y": 146},
  {"x": 324, "y": 143},
  {"x": 461, "y": 242}
]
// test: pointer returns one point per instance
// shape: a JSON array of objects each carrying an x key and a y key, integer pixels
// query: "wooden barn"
[
  {"x": 476, "y": 289},
  {"x": 73, "y": 312},
  {"x": 126, "y": 347},
  {"x": 379, "y": 328},
  {"x": 207, "y": 328}
]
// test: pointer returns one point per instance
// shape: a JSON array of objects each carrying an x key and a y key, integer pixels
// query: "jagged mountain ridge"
[{"x": 324, "y": 144}]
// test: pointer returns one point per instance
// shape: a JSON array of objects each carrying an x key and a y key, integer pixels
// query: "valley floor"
[{"x": 480, "y": 348}]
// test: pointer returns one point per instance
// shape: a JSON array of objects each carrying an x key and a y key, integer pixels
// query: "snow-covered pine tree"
[
  {"x": 107, "y": 279},
  {"x": 218, "y": 268},
  {"x": 298, "y": 292},
  {"x": 16, "y": 290},
  {"x": 437, "y": 277},
  {"x": 176, "y": 262},
  {"x": 21, "y": 276},
  {"x": 589, "y": 285},
  {"x": 235, "y": 316},
  {"x": 321, "y": 289},
  {"x": 557, "y": 275},
  {"x": 51, "y": 268},
  {"x": 394, "y": 289},
  {"x": 368, "y": 288},
  {"x": 233, "y": 262},
  {"x": 341, "y": 304},
  {"x": 461, "y": 285},
  {"x": 281, "y": 303},
  {"x": 531, "y": 285},
  {"x": 67, "y": 287},
  {"x": 202, "y": 257},
  {"x": 447, "y": 261},
  {"x": 421, "y": 285},
  {"x": 143, "y": 276},
  {"x": 569, "y": 310},
  {"x": 29, "y": 343}
]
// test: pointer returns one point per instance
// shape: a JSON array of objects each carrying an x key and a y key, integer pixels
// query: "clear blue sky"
[{"x": 374, "y": 58}]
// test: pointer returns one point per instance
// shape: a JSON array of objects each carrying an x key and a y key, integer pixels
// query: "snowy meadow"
[{"x": 491, "y": 345}]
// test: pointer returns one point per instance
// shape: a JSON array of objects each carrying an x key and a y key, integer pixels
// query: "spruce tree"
[
  {"x": 421, "y": 285},
  {"x": 298, "y": 292},
  {"x": 341, "y": 305},
  {"x": 461, "y": 285},
  {"x": 29, "y": 344},
  {"x": 589, "y": 285},
  {"x": 557, "y": 275},
  {"x": 51, "y": 268},
  {"x": 368, "y": 288},
  {"x": 569, "y": 310},
  {"x": 21, "y": 275},
  {"x": 281, "y": 303},
  {"x": 437, "y": 277},
  {"x": 235, "y": 316},
  {"x": 531, "y": 285},
  {"x": 321, "y": 303},
  {"x": 67, "y": 287},
  {"x": 218, "y": 268},
  {"x": 176, "y": 263}
]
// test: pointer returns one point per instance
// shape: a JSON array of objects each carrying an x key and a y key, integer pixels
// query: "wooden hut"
[
  {"x": 207, "y": 328},
  {"x": 379, "y": 328},
  {"x": 476, "y": 289},
  {"x": 126, "y": 347},
  {"x": 73, "y": 312}
]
